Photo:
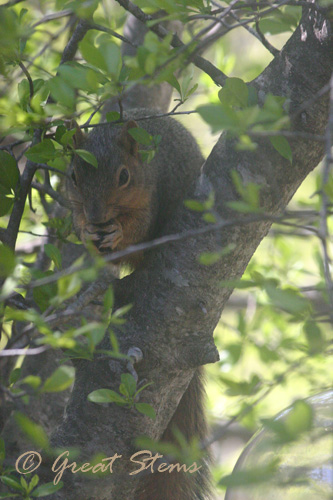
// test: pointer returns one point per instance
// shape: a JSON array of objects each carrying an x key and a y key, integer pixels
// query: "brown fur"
[{"x": 189, "y": 419}]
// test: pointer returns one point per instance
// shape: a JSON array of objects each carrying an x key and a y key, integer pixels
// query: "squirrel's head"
[{"x": 109, "y": 201}]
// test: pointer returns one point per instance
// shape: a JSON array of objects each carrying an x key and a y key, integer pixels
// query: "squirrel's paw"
[
  {"x": 111, "y": 240},
  {"x": 106, "y": 237}
]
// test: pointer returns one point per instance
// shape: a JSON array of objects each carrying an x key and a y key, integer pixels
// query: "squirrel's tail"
[{"x": 189, "y": 418}]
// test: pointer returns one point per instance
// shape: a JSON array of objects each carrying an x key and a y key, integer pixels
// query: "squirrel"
[{"x": 127, "y": 201}]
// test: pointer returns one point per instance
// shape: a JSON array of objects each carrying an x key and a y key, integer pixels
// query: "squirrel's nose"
[
  {"x": 101, "y": 225},
  {"x": 96, "y": 214}
]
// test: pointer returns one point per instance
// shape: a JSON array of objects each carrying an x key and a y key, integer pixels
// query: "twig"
[
  {"x": 221, "y": 431},
  {"x": 11, "y": 3},
  {"x": 43, "y": 166},
  {"x": 30, "y": 168},
  {"x": 217, "y": 76},
  {"x": 165, "y": 240},
  {"x": 275, "y": 52},
  {"x": 27, "y": 74},
  {"x": 51, "y": 192},
  {"x": 24, "y": 352},
  {"x": 99, "y": 27},
  {"x": 72, "y": 311},
  {"x": 263, "y": 133},
  {"x": 12, "y": 145},
  {"x": 52, "y": 17},
  {"x": 276, "y": 5},
  {"x": 37, "y": 235},
  {"x": 72, "y": 46},
  {"x": 87, "y": 123},
  {"x": 18, "y": 208},
  {"x": 30, "y": 202},
  {"x": 256, "y": 17},
  {"x": 323, "y": 231}
]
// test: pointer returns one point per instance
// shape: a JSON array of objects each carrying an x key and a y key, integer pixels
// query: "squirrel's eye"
[
  {"x": 73, "y": 176},
  {"x": 124, "y": 177}
]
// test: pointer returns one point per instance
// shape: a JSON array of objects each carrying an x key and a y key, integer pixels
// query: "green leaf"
[
  {"x": 108, "y": 300},
  {"x": 314, "y": 337},
  {"x": 7, "y": 261},
  {"x": 129, "y": 383},
  {"x": 46, "y": 489},
  {"x": 66, "y": 137},
  {"x": 234, "y": 93},
  {"x": 119, "y": 313},
  {"x": 33, "y": 380},
  {"x": 81, "y": 77},
  {"x": 43, "y": 295},
  {"x": 146, "y": 409},
  {"x": 84, "y": 9},
  {"x": 288, "y": 299},
  {"x": 112, "y": 116},
  {"x": 43, "y": 151},
  {"x": 32, "y": 430},
  {"x": 23, "y": 89},
  {"x": 172, "y": 80},
  {"x": 242, "y": 284},
  {"x": 87, "y": 156},
  {"x": 69, "y": 286},
  {"x": 282, "y": 146},
  {"x": 299, "y": 419},
  {"x": 290, "y": 426},
  {"x": 91, "y": 53},
  {"x": 60, "y": 380},
  {"x": 2, "y": 451},
  {"x": 12, "y": 483},
  {"x": 209, "y": 258},
  {"x": 54, "y": 254},
  {"x": 9, "y": 177},
  {"x": 33, "y": 483},
  {"x": 220, "y": 117},
  {"x": 250, "y": 476},
  {"x": 9, "y": 173},
  {"x": 242, "y": 207},
  {"x": 140, "y": 135},
  {"x": 14, "y": 375},
  {"x": 6, "y": 200},
  {"x": 112, "y": 58},
  {"x": 24, "y": 483},
  {"x": 106, "y": 396},
  {"x": 196, "y": 206},
  {"x": 243, "y": 388},
  {"x": 62, "y": 92},
  {"x": 209, "y": 217},
  {"x": 147, "y": 156}
]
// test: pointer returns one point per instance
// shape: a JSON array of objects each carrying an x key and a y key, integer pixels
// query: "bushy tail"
[{"x": 189, "y": 418}]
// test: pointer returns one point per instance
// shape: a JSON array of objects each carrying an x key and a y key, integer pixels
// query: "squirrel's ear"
[
  {"x": 126, "y": 141},
  {"x": 78, "y": 137}
]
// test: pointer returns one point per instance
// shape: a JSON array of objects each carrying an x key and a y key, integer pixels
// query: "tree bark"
[{"x": 176, "y": 301}]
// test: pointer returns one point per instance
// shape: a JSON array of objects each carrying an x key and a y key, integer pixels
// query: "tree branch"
[
  {"x": 10, "y": 235},
  {"x": 216, "y": 75}
]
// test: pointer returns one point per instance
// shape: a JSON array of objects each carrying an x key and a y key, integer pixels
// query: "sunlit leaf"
[{"x": 60, "y": 380}]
